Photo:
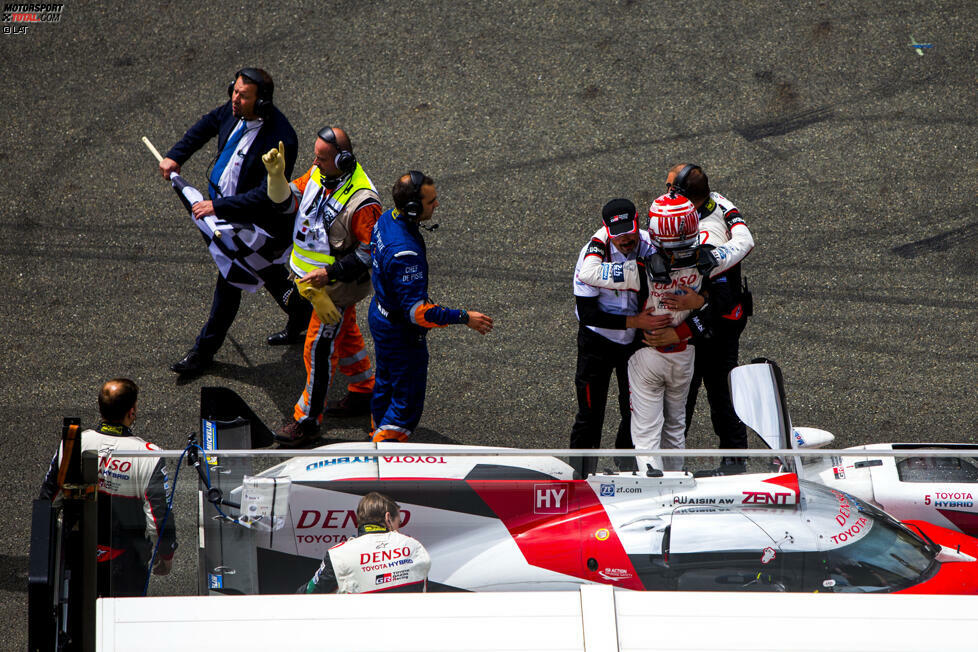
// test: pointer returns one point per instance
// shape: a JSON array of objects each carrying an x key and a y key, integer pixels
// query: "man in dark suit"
[{"x": 246, "y": 127}]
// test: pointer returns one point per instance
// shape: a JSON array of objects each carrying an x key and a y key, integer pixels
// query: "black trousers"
[
  {"x": 597, "y": 358},
  {"x": 715, "y": 358},
  {"x": 124, "y": 576},
  {"x": 227, "y": 300}
]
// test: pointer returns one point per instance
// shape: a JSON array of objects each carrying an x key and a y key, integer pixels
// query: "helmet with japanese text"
[{"x": 674, "y": 227}]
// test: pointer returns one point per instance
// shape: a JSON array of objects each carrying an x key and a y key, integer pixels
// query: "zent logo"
[
  {"x": 549, "y": 499},
  {"x": 765, "y": 498}
]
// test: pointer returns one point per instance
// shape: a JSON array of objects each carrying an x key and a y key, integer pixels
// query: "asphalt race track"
[{"x": 851, "y": 156}]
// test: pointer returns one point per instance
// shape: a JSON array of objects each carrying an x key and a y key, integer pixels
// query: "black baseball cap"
[{"x": 619, "y": 217}]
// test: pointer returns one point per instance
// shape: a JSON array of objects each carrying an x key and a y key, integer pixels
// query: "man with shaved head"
[{"x": 335, "y": 207}]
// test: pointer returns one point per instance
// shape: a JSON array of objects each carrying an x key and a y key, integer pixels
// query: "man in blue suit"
[{"x": 246, "y": 126}]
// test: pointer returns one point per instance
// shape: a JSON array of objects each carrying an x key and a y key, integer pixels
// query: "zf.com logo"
[
  {"x": 29, "y": 12},
  {"x": 611, "y": 490}
]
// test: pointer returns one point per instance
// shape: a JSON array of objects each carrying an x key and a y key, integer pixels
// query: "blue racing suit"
[{"x": 400, "y": 316}]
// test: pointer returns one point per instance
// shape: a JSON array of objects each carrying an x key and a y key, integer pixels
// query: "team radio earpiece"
[
  {"x": 263, "y": 105},
  {"x": 345, "y": 161},
  {"x": 679, "y": 183},
  {"x": 412, "y": 207}
]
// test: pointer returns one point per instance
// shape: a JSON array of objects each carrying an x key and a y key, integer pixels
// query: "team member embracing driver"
[
  {"x": 379, "y": 558},
  {"x": 659, "y": 374},
  {"x": 720, "y": 225}
]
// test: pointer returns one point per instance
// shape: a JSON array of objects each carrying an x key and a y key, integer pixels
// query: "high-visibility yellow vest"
[{"x": 322, "y": 226}]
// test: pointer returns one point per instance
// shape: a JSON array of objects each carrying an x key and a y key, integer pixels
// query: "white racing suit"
[
  {"x": 131, "y": 508},
  {"x": 375, "y": 560},
  {"x": 659, "y": 377}
]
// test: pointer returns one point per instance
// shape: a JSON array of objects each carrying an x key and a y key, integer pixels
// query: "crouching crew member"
[{"x": 379, "y": 558}]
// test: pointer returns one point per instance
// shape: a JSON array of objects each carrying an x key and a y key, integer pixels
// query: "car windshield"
[
  {"x": 936, "y": 469},
  {"x": 887, "y": 559}
]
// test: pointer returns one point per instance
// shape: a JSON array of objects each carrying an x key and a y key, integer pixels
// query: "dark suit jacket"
[{"x": 251, "y": 204}]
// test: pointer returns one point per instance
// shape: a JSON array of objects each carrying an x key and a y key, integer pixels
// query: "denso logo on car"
[{"x": 337, "y": 518}]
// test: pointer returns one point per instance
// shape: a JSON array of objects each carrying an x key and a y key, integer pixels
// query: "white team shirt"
[{"x": 615, "y": 301}]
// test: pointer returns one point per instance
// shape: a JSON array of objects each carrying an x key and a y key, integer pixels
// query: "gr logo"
[{"x": 550, "y": 499}]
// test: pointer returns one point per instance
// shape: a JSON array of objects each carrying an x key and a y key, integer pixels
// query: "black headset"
[
  {"x": 679, "y": 184},
  {"x": 345, "y": 161},
  {"x": 412, "y": 207},
  {"x": 263, "y": 105}
]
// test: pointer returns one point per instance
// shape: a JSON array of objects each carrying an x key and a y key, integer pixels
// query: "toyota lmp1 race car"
[{"x": 498, "y": 522}]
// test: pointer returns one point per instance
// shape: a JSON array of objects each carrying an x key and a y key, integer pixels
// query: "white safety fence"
[{"x": 593, "y": 619}]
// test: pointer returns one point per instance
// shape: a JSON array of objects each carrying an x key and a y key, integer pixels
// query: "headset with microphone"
[
  {"x": 679, "y": 183},
  {"x": 266, "y": 89},
  {"x": 413, "y": 207},
  {"x": 345, "y": 161}
]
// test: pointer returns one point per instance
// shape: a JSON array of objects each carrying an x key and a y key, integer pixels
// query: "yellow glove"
[
  {"x": 278, "y": 186},
  {"x": 320, "y": 301}
]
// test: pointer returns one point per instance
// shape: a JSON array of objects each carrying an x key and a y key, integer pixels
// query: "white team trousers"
[{"x": 658, "y": 383}]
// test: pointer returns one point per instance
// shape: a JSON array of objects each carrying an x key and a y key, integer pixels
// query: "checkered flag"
[{"x": 242, "y": 252}]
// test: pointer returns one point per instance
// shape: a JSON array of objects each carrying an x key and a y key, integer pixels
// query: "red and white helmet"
[{"x": 674, "y": 224}]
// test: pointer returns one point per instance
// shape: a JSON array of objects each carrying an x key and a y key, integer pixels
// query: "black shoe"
[
  {"x": 192, "y": 364},
  {"x": 728, "y": 466},
  {"x": 284, "y": 337},
  {"x": 295, "y": 433},
  {"x": 354, "y": 404},
  {"x": 626, "y": 464}
]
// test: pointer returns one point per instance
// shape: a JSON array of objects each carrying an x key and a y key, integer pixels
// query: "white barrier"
[{"x": 593, "y": 619}]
